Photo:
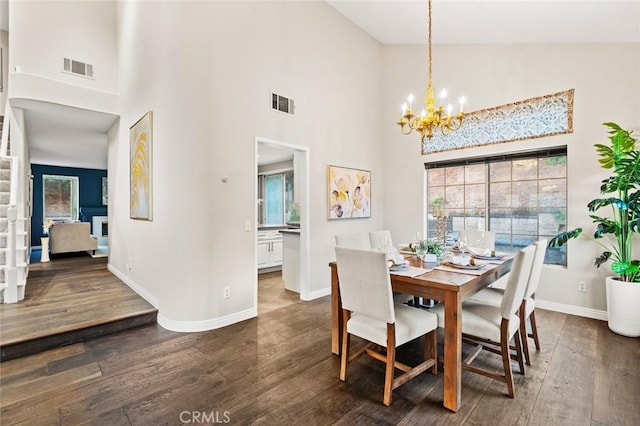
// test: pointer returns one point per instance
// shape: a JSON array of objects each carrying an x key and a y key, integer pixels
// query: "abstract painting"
[
  {"x": 141, "y": 173},
  {"x": 349, "y": 193},
  {"x": 528, "y": 119}
]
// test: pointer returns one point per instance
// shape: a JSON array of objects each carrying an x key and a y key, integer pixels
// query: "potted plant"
[
  {"x": 615, "y": 233},
  {"x": 431, "y": 250}
]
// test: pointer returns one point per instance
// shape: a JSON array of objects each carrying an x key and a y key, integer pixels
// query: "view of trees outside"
[
  {"x": 60, "y": 197},
  {"x": 521, "y": 200}
]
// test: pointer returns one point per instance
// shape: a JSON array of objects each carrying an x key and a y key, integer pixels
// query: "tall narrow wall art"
[{"x": 140, "y": 168}]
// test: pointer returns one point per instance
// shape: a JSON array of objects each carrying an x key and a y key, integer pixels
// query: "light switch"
[{"x": 247, "y": 225}]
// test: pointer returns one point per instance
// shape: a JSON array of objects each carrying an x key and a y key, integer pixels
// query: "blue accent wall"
[{"x": 90, "y": 187}]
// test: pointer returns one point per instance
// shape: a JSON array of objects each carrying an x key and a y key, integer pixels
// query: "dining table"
[{"x": 441, "y": 283}]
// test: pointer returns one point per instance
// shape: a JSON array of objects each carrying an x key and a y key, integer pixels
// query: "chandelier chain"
[{"x": 433, "y": 117}]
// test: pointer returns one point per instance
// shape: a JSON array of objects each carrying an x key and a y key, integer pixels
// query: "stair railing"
[{"x": 11, "y": 272}]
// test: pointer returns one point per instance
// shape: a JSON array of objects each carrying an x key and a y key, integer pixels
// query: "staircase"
[{"x": 20, "y": 232}]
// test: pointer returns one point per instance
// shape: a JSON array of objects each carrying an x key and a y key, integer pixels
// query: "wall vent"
[
  {"x": 282, "y": 104},
  {"x": 78, "y": 68}
]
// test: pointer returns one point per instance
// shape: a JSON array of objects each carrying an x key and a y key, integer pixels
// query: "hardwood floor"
[
  {"x": 67, "y": 300},
  {"x": 278, "y": 369},
  {"x": 272, "y": 294}
]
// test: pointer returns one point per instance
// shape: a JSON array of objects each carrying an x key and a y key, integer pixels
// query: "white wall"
[
  {"x": 607, "y": 88},
  {"x": 4, "y": 43},
  {"x": 45, "y": 32},
  {"x": 208, "y": 81}
]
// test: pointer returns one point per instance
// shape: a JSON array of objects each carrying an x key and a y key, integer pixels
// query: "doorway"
[{"x": 272, "y": 158}]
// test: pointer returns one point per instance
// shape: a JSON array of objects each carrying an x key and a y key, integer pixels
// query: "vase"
[
  {"x": 623, "y": 299},
  {"x": 44, "y": 257}
]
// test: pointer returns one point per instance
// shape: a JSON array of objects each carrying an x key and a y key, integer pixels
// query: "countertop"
[{"x": 294, "y": 231}]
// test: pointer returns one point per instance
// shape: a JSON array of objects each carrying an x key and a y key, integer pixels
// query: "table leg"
[
  {"x": 336, "y": 315},
  {"x": 452, "y": 350}
]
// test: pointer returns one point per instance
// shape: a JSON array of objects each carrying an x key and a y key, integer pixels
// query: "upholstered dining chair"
[
  {"x": 477, "y": 239},
  {"x": 381, "y": 240},
  {"x": 358, "y": 240},
  {"x": 493, "y": 327},
  {"x": 493, "y": 296},
  {"x": 369, "y": 312}
]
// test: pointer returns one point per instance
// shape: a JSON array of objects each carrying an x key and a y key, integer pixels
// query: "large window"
[
  {"x": 520, "y": 197},
  {"x": 60, "y": 195},
  {"x": 276, "y": 194}
]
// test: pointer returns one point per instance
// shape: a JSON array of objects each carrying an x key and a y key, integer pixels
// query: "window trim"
[
  {"x": 75, "y": 202},
  {"x": 488, "y": 160}
]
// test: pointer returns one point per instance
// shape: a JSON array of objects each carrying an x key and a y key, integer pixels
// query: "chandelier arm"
[{"x": 433, "y": 118}]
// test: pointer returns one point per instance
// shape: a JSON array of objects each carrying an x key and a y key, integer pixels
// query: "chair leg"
[
  {"x": 534, "y": 329},
  {"x": 391, "y": 359},
  {"x": 523, "y": 334},
  {"x": 344, "y": 358},
  {"x": 519, "y": 357},
  {"x": 506, "y": 357},
  {"x": 431, "y": 349}
]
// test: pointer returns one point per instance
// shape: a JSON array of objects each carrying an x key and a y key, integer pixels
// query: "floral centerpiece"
[{"x": 46, "y": 225}]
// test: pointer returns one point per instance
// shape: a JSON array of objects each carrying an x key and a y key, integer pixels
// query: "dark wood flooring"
[
  {"x": 272, "y": 294},
  {"x": 278, "y": 369},
  {"x": 67, "y": 300}
]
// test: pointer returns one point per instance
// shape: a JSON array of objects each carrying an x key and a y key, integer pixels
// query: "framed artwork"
[
  {"x": 349, "y": 193},
  {"x": 141, "y": 168},
  {"x": 105, "y": 192}
]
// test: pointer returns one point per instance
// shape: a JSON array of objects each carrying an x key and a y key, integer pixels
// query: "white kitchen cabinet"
[{"x": 269, "y": 249}]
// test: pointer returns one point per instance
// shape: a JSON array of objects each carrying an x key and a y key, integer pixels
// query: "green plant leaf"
[
  {"x": 602, "y": 259},
  {"x": 562, "y": 238}
]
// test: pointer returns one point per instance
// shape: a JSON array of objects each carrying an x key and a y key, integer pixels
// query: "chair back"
[
  {"x": 517, "y": 282},
  {"x": 536, "y": 268},
  {"x": 380, "y": 239},
  {"x": 358, "y": 241},
  {"x": 365, "y": 286},
  {"x": 480, "y": 239}
]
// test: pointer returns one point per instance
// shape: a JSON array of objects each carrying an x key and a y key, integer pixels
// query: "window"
[
  {"x": 520, "y": 197},
  {"x": 60, "y": 197},
  {"x": 276, "y": 193}
]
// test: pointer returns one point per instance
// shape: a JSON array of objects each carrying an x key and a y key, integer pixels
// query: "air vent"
[
  {"x": 282, "y": 104},
  {"x": 78, "y": 68}
]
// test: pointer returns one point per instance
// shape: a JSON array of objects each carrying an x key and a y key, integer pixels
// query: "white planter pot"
[{"x": 623, "y": 307}]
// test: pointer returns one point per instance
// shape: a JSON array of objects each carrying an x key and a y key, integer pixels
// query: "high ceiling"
[
  {"x": 390, "y": 22},
  {"x": 491, "y": 21}
]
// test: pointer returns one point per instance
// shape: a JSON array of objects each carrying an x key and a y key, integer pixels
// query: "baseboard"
[
  {"x": 572, "y": 309},
  {"x": 135, "y": 287},
  {"x": 183, "y": 326},
  {"x": 318, "y": 294},
  {"x": 206, "y": 325}
]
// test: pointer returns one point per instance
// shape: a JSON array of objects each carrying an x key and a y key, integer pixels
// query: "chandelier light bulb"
[{"x": 432, "y": 118}]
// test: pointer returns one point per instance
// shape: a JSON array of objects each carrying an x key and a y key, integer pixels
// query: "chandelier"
[{"x": 432, "y": 118}]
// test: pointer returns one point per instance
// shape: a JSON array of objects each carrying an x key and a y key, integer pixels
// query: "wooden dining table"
[{"x": 449, "y": 287}]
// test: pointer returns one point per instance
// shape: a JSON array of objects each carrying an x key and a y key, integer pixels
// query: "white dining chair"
[
  {"x": 381, "y": 240},
  {"x": 369, "y": 312},
  {"x": 493, "y": 327},
  {"x": 493, "y": 296},
  {"x": 358, "y": 240},
  {"x": 475, "y": 239}
]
